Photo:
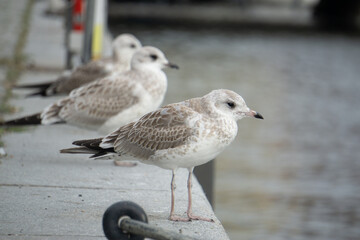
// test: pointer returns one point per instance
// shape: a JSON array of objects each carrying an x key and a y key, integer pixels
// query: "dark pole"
[
  {"x": 68, "y": 27},
  {"x": 89, "y": 16}
]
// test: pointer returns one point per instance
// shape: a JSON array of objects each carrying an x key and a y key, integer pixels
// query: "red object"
[{"x": 78, "y": 15}]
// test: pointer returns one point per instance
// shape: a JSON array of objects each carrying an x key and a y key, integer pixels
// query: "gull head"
[
  {"x": 150, "y": 57},
  {"x": 124, "y": 46},
  {"x": 229, "y": 103}
]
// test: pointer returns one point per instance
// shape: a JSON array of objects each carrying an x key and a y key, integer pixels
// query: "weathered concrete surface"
[{"x": 46, "y": 195}]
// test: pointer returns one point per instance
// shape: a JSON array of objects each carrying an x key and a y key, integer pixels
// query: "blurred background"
[{"x": 295, "y": 175}]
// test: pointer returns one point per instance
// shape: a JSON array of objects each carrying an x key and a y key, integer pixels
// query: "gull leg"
[
  {"x": 189, "y": 210},
  {"x": 172, "y": 216}
]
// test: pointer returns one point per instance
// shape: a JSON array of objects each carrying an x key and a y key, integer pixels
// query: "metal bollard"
[
  {"x": 68, "y": 27},
  {"x": 87, "y": 40},
  {"x": 127, "y": 220}
]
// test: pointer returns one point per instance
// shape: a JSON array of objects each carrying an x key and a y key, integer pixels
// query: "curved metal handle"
[
  {"x": 127, "y": 220},
  {"x": 114, "y": 215}
]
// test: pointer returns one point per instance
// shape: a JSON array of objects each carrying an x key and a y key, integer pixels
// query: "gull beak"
[
  {"x": 172, "y": 65},
  {"x": 254, "y": 114}
]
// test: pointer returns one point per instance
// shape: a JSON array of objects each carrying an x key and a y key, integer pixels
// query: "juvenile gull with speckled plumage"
[
  {"x": 108, "y": 103},
  {"x": 123, "y": 48},
  {"x": 179, "y": 135}
]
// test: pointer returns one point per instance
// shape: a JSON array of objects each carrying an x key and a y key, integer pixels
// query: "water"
[{"x": 296, "y": 174}]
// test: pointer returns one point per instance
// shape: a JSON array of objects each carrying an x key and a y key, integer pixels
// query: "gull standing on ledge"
[
  {"x": 123, "y": 48},
  {"x": 108, "y": 103},
  {"x": 179, "y": 135}
]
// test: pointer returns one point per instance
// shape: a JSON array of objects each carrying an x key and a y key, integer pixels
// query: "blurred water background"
[{"x": 296, "y": 174}]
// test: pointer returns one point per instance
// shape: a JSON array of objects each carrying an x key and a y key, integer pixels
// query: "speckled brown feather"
[
  {"x": 162, "y": 129},
  {"x": 80, "y": 76},
  {"x": 94, "y": 103}
]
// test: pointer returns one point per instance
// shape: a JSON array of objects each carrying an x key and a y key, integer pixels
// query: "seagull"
[
  {"x": 115, "y": 100},
  {"x": 178, "y": 135},
  {"x": 123, "y": 48}
]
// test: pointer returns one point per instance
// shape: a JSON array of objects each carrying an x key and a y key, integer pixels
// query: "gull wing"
[
  {"x": 95, "y": 102},
  {"x": 79, "y": 76},
  {"x": 165, "y": 128}
]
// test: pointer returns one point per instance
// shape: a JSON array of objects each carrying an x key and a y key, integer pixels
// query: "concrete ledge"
[{"x": 46, "y": 195}]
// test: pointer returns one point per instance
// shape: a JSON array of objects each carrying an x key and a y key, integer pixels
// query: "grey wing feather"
[
  {"x": 94, "y": 103},
  {"x": 162, "y": 129},
  {"x": 80, "y": 76}
]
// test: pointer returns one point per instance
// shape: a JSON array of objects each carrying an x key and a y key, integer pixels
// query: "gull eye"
[
  {"x": 153, "y": 57},
  {"x": 231, "y": 104},
  {"x": 132, "y": 45}
]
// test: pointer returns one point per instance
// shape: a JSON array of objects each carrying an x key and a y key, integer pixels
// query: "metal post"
[
  {"x": 149, "y": 231},
  {"x": 98, "y": 28},
  {"x": 87, "y": 41},
  {"x": 68, "y": 27},
  {"x": 127, "y": 220}
]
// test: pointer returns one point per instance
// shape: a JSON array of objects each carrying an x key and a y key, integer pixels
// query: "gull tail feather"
[
  {"x": 78, "y": 150},
  {"x": 96, "y": 154},
  {"x": 42, "y": 89},
  {"x": 40, "y": 85},
  {"x": 42, "y": 92},
  {"x": 91, "y": 146},
  {"x": 34, "y": 119},
  {"x": 48, "y": 91}
]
